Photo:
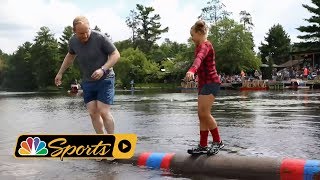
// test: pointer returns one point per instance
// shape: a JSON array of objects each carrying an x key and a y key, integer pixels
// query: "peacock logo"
[{"x": 33, "y": 146}]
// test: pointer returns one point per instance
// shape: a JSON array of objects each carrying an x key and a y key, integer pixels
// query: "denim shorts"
[
  {"x": 101, "y": 90},
  {"x": 212, "y": 88}
]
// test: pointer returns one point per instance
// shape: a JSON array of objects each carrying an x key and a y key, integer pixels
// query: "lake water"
[{"x": 266, "y": 123}]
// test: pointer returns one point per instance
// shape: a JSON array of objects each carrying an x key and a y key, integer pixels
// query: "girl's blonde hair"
[{"x": 200, "y": 27}]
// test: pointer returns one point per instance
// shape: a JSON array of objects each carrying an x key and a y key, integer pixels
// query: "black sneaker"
[
  {"x": 215, "y": 148},
  {"x": 198, "y": 150}
]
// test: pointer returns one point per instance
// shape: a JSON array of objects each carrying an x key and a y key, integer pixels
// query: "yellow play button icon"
[{"x": 124, "y": 146}]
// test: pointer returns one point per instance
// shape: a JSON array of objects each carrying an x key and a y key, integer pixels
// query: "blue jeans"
[
  {"x": 101, "y": 90},
  {"x": 212, "y": 88}
]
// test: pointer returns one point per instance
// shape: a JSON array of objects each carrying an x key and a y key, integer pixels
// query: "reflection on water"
[{"x": 268, "y": 123}]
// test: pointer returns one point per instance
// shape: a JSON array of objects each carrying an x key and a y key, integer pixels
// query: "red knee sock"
[
  {"x": 215, "y": 135},
  {"x": 204, "y": 138}
]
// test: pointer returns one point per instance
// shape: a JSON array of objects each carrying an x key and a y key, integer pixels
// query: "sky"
[{"x": 20, "y": 20}]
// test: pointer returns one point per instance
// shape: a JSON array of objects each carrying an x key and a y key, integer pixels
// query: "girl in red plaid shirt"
[{"x": 208, "y": 87}]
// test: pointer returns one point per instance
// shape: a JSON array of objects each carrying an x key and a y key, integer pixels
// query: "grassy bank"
[
  {"x": 156, "y": 86},
  {"x": 51, "y": 89},
  {"x": 136, "y": 86}
]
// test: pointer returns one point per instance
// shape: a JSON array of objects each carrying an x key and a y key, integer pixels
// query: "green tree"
[
  {"x": 3, "y": 58},
  {"x": 167, "y": 49},
  {"x": 72, "y": 72},
  {"x": 19, "y": 72},
  {"x": 64, "y": 41},
  {"x": 45, "y": 57},
  {"x": 157, "y": 54},
  {"x": 171, "y": 49},
  {"x": 246, "y": 19},
  {"x": 177, "y": 66},
  {"x": 123, "y": 45},
  {"x": 233, "y": 46},
  {"x": 133, "y": 23},
  {"x": 2, "y": 65},
  {"x": 148, "y": 28},
  {"x": 134, "y": 65},
  {"x": 214, "y": 11},
  {"x": 277, "y": 43},
  {"x": 269, "y": 69},
  {"x": 311, "y": 37}
]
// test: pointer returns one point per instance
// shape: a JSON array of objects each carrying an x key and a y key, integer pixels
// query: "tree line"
[{"x": 34, "y": 64}]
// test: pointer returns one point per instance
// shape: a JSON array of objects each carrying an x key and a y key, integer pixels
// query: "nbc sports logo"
[
  {"x": 33, "y": 146},
  {"x": 120, "y": 146}
]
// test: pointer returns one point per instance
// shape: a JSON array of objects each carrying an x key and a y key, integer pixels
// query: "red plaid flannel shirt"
[{"x": 205, "y": 65}]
